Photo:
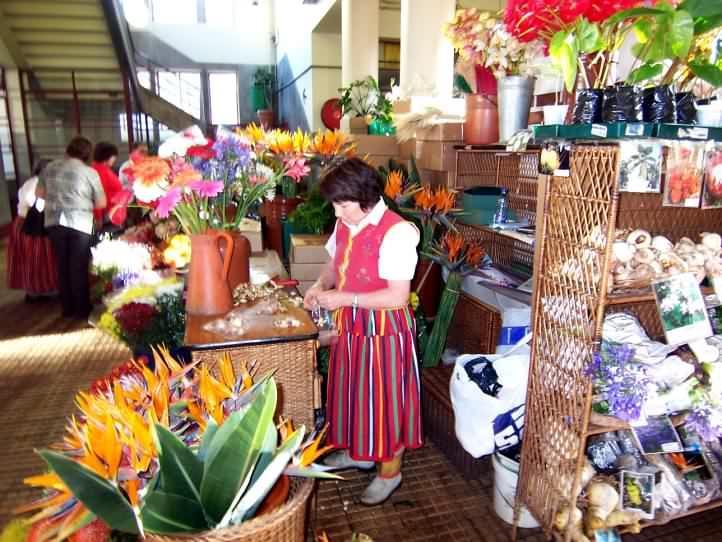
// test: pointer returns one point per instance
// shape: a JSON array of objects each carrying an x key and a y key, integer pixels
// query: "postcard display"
[{"x": 643, "y": 466}]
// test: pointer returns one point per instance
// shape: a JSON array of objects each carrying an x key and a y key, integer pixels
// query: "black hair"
[
  {"x": 79, "y": 147},
  {"x": 104, "y": 151},
  {"x": 353, "y": 180},
  {"x": 40, "y": 166}
]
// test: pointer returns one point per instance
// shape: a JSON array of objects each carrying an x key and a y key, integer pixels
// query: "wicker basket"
[
  {"x": 475, "y": 327},
  {"x": 286, "y": 524}
]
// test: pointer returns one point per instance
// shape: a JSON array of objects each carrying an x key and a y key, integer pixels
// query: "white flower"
[{"x": 120, "y": 255}]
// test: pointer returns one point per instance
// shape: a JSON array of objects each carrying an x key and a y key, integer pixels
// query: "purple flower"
[
  {"x": 232, "y": 149},
  {"x": 207, "y": 189},
  {"x": 168, "y": 202},
  {"x": 700, "y": 421}
]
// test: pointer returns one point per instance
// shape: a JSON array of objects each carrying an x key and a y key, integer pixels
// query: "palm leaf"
[
  {"x": 181, "y": 470},
  {"x": 166, "y": 513}
]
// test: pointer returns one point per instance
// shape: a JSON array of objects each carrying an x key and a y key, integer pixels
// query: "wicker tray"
[{"x": 286, "y": 524}]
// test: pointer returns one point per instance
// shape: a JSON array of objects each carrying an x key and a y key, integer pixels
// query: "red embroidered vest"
[{"x": 357, "y": 258}]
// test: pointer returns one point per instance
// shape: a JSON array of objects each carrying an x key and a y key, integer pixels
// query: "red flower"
[
  {"x": 135, "y": 317},
  {"x": 96, "y": 531},
  {"x": 204, "y": 152}
]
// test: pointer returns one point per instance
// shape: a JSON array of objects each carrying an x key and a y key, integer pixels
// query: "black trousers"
[{"x": 72, "y": 254}]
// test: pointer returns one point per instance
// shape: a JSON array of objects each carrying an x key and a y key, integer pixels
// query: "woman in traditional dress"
[
  {"x": 373, "y": 401},
  {"x": 30, "y": 258}
]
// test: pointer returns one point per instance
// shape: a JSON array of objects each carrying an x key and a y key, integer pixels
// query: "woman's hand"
[
  {"x": 310, "y": 300},
  {"x": 333, "y": 299}
]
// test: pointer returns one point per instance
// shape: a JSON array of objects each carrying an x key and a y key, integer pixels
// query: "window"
[
  {"x": 223, "y": 88},
  {"x": 182, "y": 89},
  {"x": 219, "y": 12},
  {"x": 144, "y": 78},
  {"x": 175, "y": 11}
]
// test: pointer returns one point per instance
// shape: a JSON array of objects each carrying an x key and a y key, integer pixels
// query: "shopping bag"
[
  {"x": 34, "y": 224},
  {"x": 476, "y": 411}
]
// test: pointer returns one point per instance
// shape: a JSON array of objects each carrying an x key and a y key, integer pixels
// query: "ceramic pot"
[
  {"x": 274, "y": 212},
  {"x": 430, "y": 290},
  {"x": 240, "y": 270},
  {"x": 208, "y": 291},
  {"x": 514, "y": 96},
  {"x": 481, "y": 125},
  {"x": 381, "y": 127}
]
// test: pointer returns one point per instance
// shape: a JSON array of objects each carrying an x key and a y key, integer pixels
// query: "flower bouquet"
[
  {"x": 172, "y": 450},
  {"x": 115, "y": 263},
  {"x": 460, "y": 259}
]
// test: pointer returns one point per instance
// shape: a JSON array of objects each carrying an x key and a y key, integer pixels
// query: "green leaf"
[
  {"x": 166, "y": 513},
  {"x": 645, "y": 72},
  {"x": 208, "y": 434},
  {"x": 563, "y": 53},
  {"x": 701, "y": 8},
  {"x": 258, "y": 491},
  {"x": 642, "y": 30},
  {"x": 708, "y": 72},
  {"x": 181, "y": 472},
  {"x": 633, "y": 13},
  {"x": 657, "y": 48},
  {"x": 96, "y": 493},
  {"x": 681, "y": 33},
  {"x": 588, "y": 37},
  {"x": 702, "y": 25},
  {"x": 233, "y": 454},
  {"x": 462, "y": 84}
]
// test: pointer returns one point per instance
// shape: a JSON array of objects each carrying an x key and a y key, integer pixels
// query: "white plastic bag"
[{"x": 475, "y": 411}]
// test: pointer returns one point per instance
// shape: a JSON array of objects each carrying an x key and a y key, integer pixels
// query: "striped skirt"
[
  {"x": 30, "y": 262},
  {"x": 373, "y": 402}
]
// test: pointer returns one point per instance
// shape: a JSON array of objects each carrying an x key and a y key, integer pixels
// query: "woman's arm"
[
  {"x": 396, "y": 294},
  {"x": 325, "y": 281}
]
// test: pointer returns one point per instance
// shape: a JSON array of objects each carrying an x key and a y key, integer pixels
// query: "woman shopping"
[
  {"x": 72, "y": 190},
  {"x": 31, "y": 261},
  {"x": 373, "y": 402}
]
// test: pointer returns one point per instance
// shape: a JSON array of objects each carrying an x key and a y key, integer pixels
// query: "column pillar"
[
  {"x": 359, "y": 40},
  {"x": 427, "y": 57}
]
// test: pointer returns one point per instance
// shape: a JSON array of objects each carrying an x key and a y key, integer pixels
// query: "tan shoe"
[
  {"x": 342, "y": 460},
  {"x": 380, "y": 489}
]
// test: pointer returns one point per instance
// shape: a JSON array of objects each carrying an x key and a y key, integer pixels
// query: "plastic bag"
[
  {"x": 588, "y": 106},
  {"x": 475, "y": 411},
  {"x": 622, "y": 104},
  {"x": 685, "y": 108},
  {"x": 658, "y": 104}
]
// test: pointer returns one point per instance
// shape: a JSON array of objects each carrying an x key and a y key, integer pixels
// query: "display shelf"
[
  {"x": 577, "y": 217},
  {"x": 716, "y": 503},
  {"x": 603, "y": 424}
]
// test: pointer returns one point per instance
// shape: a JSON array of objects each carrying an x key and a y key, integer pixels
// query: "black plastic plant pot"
[
  {"x": 622, "y": 104},
  {"x": 658, "y": 104},
  {"x": 588, "y": 106},
  {"x": 686, "y": 109}
]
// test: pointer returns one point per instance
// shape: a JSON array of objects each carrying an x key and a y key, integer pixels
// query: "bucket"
[
  {"x": 506, "y": 475},
  {"x": 514, "y": 94}
]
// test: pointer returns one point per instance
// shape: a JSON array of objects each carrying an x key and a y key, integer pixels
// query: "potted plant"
[
  {"x": 363, "y": 99},
  {"x": 264, "y": 83},
  {"x": 177, "y": 451},
  {"x": 313, "y": 216}
]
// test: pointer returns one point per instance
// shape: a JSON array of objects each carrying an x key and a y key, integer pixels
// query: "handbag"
[{"x": 34, "y": 224}]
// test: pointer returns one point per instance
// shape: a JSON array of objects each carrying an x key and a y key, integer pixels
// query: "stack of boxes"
[
  {"x": 307, "y": 258},
  {"x": 376, "y": 149}
]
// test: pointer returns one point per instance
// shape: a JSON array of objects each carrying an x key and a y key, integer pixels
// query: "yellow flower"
[
  {"x": 330, "y": 143},
  {"x": 255, "y": 133},
  {"x": 414, "y": 300},
  {"x": 110, "y": 324}
]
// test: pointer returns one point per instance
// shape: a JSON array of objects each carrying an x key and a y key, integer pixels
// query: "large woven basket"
[{"x": 285, "y": 524}]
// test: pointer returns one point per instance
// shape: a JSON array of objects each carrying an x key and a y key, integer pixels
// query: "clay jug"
[
  {"x": 208, "y": 290},
  {"x": 240, "y": 271},
  {"x": 274, "y": 211},
  {"x": 481, "y": 126}
]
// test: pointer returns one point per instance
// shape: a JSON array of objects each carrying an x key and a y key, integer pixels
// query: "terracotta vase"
[
  {"x": 208, "y": 290},
  {"x": 430, "y": 289},
  {"x": 240, "y": 270},
  {"x": 481, "y": 126},
  {"x": 265, "y": 118},
  {"x": 274, "y": 212}
]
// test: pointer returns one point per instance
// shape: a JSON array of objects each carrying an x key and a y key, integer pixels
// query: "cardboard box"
[
  {"x": 402, "y": 106},
  {"x": 407, "y": 149},
  {"x": 251, "y": 230},
  {"x": 306, "y": 248},
  {"x": 357, "y": 125},
  {"x": 375, "y": 145},
  {"x": 443, "y": 131},
  {"x": 306, "y": 271},
  {"x": 437, "y": 178},
  {"x": 436, "y": 155}
]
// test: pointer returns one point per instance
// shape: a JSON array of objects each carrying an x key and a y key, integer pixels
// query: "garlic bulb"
[
  {"x": 623, "y": 251},
  {"x": 661, "y": 244},
  {"x": 640, "y": 239},
  {"x": 644, "y": 255}
]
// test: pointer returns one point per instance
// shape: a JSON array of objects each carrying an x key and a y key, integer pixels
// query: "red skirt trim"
[{"x": 30, "y": 262}]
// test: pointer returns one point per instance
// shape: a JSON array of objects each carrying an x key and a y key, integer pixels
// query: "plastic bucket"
[{"x": 506, "y": 475}]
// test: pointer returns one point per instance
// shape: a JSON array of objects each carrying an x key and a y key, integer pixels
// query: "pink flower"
[
  {"x": 207, "y": 189},
  {"x": 119, "y": 206},
  {"x": 296, "y": 168},
  {"x": 168, "y": 202}
]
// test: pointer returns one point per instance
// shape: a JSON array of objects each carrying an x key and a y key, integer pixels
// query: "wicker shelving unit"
[{"x": 577, "y": 217}]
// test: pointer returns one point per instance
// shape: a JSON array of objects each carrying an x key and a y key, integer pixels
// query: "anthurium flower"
[
  {"x": 296, "y": 168},
  {"x": 207, "y": 189},
  {"x": 119, "y": 206}
]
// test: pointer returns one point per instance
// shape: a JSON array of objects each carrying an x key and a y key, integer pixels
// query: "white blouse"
[
  {"x": 397, "y": 254},
  {"x": 26, "y": 197}
]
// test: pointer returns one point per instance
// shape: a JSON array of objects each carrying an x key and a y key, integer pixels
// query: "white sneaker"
[
  {"x": 342, "y": 460},
  {"x": 380, "y": 489}
]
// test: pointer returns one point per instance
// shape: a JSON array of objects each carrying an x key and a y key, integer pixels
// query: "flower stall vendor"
[{"x": 373, "y": 404}]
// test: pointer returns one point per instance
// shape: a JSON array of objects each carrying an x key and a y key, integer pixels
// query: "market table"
[{"x": 290, "y": 352}]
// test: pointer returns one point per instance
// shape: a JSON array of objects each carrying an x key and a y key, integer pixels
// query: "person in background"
[
  {"x": 72, "y": 189},
  {"x": 30, "y": 258},
  {"x": 137, "y": 153},
  {"x": 104, "y": 156},
  {"x": 373, "y": 401}
]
